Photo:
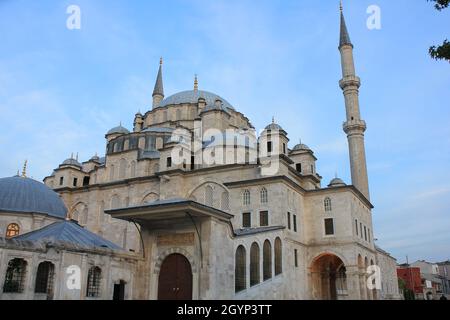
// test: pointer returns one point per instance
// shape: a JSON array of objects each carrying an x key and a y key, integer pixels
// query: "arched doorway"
[
  {"x": 175, "y": 278},
  {"x": 329, "y": 279}
]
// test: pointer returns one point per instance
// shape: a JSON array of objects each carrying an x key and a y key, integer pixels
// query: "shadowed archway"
[{"x": 328, "y": 278}]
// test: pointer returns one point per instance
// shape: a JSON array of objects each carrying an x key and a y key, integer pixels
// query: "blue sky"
[{"x": 61, "y": 90}]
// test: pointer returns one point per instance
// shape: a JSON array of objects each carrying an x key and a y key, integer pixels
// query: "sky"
[{"x": 62, "y": 89}]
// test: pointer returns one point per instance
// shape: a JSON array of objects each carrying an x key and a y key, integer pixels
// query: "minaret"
[
  {"x": 158, "y": 91},
  {"x": 354, "y": 127}
]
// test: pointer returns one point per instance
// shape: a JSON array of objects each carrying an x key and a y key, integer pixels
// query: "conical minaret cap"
[
  {"x": 159, "y": 88},
  {"x": 344, "y": 36}
]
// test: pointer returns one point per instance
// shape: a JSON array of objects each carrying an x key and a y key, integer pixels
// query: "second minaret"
[{"x": 354, "y": 127}]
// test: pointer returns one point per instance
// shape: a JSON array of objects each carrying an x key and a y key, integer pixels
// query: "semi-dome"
[
  {"x": 192, "y": 96},
  {"x": 25, "y": 195},
  {"x": 337, "y": 182},
  {"x": 118, "y": 130}
]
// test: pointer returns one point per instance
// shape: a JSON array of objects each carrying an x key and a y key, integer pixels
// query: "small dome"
[
  {"x": 192, "y": 96},
  {"x": 301, "y": 146},
  {"x": 118, "y": 130},
  {"x": 95, "y": 158},
  {"x": 71, "y": 162},
  {"x": 336, "y": 182},
  {"x": 24, "y": 195},
  {"x": 274, "y": 126}
]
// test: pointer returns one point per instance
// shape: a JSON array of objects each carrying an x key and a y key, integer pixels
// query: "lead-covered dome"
[
  {"x": 192, "y": 96},
  {"x": 118, "y": 130},
  {"x": 25, "y": 195},
  {"x": 337, "y": 182},
  {"x": 71, "y": 162}
]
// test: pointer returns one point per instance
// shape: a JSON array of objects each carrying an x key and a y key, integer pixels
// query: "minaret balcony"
[
  {"x": 354, "y": 126},
  {"x": 350, "y": 81}
]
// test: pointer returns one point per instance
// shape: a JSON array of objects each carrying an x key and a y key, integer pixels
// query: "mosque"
[{"x": 193, "y": 204}]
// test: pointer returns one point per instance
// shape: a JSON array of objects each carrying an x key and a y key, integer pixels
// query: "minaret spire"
[
  {"x": 158, "y": 91},
  {"x": 354, "y": 127},
  {"x": 344, "y": 36},
  {"x": 195, "y": 83},
  {"x": 24, "y": 170}
]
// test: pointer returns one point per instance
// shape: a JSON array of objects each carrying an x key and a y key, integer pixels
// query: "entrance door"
[
  {"x": 175, "y": 278},
  {"x": 119, "y": 291}
]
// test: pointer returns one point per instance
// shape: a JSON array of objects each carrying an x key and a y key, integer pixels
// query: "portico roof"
[{"x": 164, "y": 210}]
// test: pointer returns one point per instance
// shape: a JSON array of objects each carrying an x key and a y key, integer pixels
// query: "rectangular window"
[
  {"x": 360, "y": 229},
  {"x": 247, "y": 220},
  {"x": 295, "y": 222},
  {"x": 368, "y": 234},
  {"x": 192, "y": 163},
  {"x": 312, "y": 169},
  {"x": 365, "y": 233},
  {"x": 295, "y": 258},
  {"x": 329, "y": 227},
  {"x": 264, "y": 218},
  {"x": 284, "y": 148},
  {"x": 289, "y": 220},
  {"x": 356, "y": 223},
  {"x": 61, "y": 181},
  {"x": 169, "y": 162},
  {"x": 269, "y": 146},
  {"x": 298, "y": 167},
  {"x": 75, "y": 181}
]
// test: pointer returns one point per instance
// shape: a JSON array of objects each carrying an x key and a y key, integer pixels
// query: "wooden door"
[{"x": 175, "y": 278}]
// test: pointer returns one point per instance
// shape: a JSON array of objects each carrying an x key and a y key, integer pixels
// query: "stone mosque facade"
[{"x": 193, "y": 204}]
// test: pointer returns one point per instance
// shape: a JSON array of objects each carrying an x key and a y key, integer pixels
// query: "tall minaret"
[
  {"x": 158, "y": 91},
  {"x": 354, "y": 127}
]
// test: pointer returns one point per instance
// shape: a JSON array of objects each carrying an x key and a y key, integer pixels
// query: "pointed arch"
[
  {"x": 263, "y": 195},
  {"x": 150, "y": 197}
]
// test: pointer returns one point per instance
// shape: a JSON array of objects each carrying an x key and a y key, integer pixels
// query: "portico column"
[{"x": 353, "y": 283}]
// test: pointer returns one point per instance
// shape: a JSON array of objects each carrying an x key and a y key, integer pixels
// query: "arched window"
[
  {"x": 327, "y": 204},
  {"x": 246, "y": 197},
  {"x": 12, "y": 230},
  {"x": 122, "y": 168},
  {"x": 263, "y": 194},
  {"x": 240, "y": 271},
  {"x": 164, "y": 115},
  {"x": 278, "y": 257},
  {"x": 15, "y": 276},
  {"x": 225, "y": 201},
  {"x": 209, "y": 196},
  {"x": 93, "y": 282},
  {"x": 44, "y": 278},
  {"x": 133, "y": 169},
  {"x": 267, "y": 260},
  {"x": 254, "y": 265}
]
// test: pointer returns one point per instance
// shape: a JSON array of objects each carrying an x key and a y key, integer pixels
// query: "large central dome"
[
  {"x": 192, "y": 96},
  {"x": 26, "y": 195}
]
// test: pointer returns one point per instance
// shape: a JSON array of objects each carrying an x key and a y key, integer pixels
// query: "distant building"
[
  {"x": 411, "y": 277},
  {"x": 444, "y": 273}
]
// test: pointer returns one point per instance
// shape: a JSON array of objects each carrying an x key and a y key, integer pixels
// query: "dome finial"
[
  {"x": 24, "y": 170},
  {"x": 273, "y": 119},
  {"x": 71, "y": 155},
  {"x": 195, "y": 83}
]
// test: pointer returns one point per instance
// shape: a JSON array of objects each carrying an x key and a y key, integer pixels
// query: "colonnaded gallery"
[{"x": 193, "y": 204}]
